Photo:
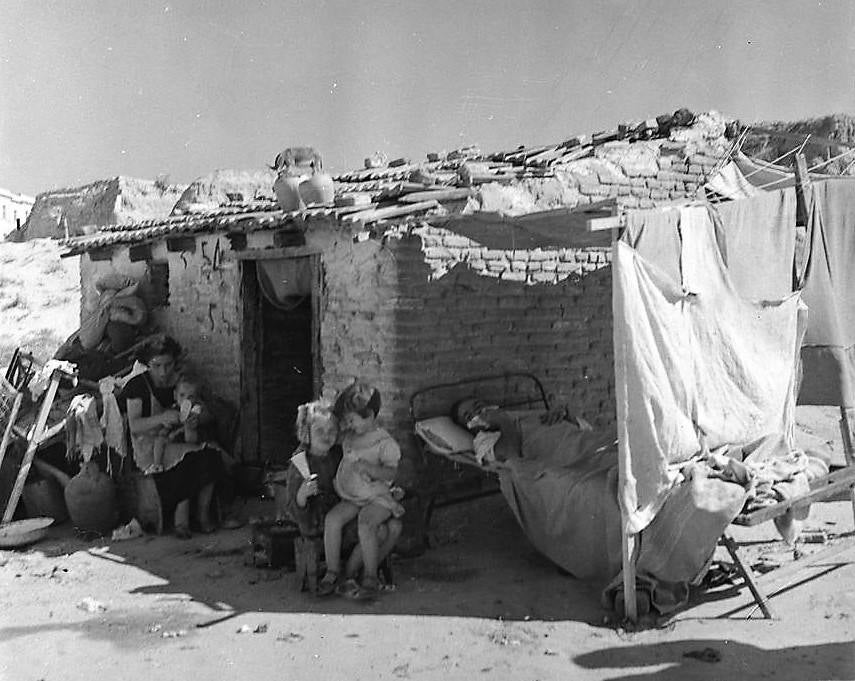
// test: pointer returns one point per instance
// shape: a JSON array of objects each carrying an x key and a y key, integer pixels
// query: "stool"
[{"x": 308, "y": 556}]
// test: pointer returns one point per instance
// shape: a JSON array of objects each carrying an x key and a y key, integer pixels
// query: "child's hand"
[
  {"x": 170, "y": 418},
  {"x": 307, "y": 489}
]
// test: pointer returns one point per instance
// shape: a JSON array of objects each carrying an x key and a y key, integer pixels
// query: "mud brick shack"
[{"x": 465, "y": 264}]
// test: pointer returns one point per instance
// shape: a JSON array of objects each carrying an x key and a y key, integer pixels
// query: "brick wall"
[{"x": 544, "y": 311}]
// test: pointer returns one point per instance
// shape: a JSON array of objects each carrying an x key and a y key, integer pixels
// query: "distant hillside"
[
  {"x": 104, "y": 202},
  {"x": 839, "y": 128},
  {"x": 225, "y": 185},
  {"x": 39, "y": 298}
]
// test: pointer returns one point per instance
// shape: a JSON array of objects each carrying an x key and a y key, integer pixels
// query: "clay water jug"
[
  {"x": 287, "y": 189},
  {"x": 90, "y": 497},
  {"x": 318, "y": 189}
]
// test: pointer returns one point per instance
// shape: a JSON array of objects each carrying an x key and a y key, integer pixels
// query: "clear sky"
[{"x": 90, "y": 90}]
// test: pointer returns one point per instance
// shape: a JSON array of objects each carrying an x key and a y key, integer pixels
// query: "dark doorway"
[
  {"x": 279, "y": 363},
  {"x": 286, "y": 374}
]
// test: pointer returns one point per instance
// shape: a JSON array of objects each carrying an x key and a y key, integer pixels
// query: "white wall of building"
[{"x": 14, "y": 209}]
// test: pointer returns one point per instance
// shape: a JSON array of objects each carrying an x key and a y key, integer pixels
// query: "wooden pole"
[{"x": 628, "y": 539}]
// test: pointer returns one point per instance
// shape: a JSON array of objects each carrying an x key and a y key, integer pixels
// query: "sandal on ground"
[
  {"x": 183, "y": 532},
  {"x": 347, "y": 588},
  {"x": 367, "y": 591},
  {"x": 327, "y": 585}
]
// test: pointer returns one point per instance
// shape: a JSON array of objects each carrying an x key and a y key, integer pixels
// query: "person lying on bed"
[{"x": 502, "y": 434}]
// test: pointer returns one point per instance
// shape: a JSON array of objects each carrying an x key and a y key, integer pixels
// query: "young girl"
[
  {"x": 364, "y": 483},
  {"x": 307, "y": 500}
]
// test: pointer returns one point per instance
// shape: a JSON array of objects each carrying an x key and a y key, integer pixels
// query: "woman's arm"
[{"x": 137, "y": 423}]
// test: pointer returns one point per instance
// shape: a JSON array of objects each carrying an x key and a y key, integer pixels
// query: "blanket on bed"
[{"x": 564, "y": 495}]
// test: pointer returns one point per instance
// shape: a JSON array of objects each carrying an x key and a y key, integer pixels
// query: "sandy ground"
[{"x": 480, "y": 604}]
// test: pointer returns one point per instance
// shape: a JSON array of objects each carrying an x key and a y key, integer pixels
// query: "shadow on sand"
[
  {"x": 479, "y": 566},
  {"x": 720, "y": 659}
]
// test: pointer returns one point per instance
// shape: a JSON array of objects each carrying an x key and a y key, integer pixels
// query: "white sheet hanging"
[{"x": 695, "y": 364}]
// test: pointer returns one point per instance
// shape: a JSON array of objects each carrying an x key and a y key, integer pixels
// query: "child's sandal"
[
  {"x": 367, "y": 591},
  {"x": 327, "y": 585},
  {"x": 347, "y": 588}
]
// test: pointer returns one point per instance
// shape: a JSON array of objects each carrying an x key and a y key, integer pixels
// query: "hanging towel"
[
  {"x": 758, "y": 243},
  {"x": 82, "y": 428},
  {"x": 111, "y": 419}
]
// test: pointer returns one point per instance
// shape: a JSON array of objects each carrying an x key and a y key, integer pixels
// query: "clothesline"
[
  {"x": 811, "y": 169},
  {"x": 780, "y": 158}
]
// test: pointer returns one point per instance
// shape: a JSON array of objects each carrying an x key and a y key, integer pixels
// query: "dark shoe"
[{"x": 183, "y": 532}]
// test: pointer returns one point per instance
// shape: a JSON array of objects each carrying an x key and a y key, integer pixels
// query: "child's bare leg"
[
  {"x": 371, "y": 517},
  {"x": 203, "y": 507},
  {"x": 387, "y": 540},
  {"x": 181, "y": 518},
  {"x": 387, "y": 536},
  {"x": 157, "y": 453},
  {"x": 335, "y": 520}
]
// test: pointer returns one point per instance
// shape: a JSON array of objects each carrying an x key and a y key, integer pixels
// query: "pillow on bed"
[{"x": 444, "y": 436}]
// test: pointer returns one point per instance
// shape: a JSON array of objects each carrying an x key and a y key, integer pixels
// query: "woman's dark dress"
[{"x": 195, "y": 471}]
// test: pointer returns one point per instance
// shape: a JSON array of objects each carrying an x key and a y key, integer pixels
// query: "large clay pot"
[
  {"x": 91, "y": 500},
  {"x": 318, "y": 189},
  {"x": 287, "y": 190},
  {"x": 44, "y": 497}
]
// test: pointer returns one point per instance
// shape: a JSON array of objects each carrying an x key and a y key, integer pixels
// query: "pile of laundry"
[{"x": 770, "y": 471}]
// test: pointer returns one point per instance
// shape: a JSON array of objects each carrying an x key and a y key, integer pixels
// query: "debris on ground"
[
  {"x": 89, "y": 604},
  {"x": 248, "y": 629},
  {"x": 131, "y": 530}
]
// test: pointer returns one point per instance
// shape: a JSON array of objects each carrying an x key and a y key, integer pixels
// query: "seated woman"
[
  {"x": 190, "y": 469},
  {"x": 309, "y": 488}
]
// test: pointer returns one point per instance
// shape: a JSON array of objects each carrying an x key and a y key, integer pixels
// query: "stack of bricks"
[{"x": 667, "y": 172}]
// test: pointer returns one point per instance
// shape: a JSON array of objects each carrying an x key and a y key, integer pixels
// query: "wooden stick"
[
  {"x": 748, "y": 576},
  {"x": 847, "y": 421},
  {"x": 628, "y": 562},
  {"x": 7, "y": 433},
  {"x": 33, "y": 445},
  {"x": 373, "y": 215}
]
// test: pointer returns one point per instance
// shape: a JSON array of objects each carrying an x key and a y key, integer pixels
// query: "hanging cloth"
[
  {"x": 828, "y": 354},
  {"x": 696, "y": 365},
  {"x": 285, "y": 282}
]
